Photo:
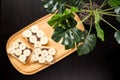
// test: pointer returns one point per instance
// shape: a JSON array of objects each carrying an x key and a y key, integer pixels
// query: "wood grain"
[{"x": 32, "y": 68}]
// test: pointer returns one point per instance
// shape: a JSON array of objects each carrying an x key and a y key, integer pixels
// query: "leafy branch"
[{"x": 64, "y": 22}]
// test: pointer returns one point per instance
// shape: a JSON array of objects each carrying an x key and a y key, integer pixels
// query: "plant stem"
[
  {"x": 90, "y": 26},
  {"x": 91, "y": 5},
  {"x": 110, "y": 14},
  {"x": 68, "y": 5},
  {"x": 109, "y": 24},
  {"x": 103, "y": 4},
  {"x": 107, "y": 12},
  {"x": 86, "y": 18},
  {"x": 83, "y": 10},
  {"x": 109, "y": 9}
]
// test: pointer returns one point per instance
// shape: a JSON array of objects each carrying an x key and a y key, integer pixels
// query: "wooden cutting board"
[{"x": 32, "y": 68}]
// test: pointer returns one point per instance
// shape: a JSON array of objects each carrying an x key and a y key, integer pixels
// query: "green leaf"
[
  {"x": 60, "y": 5},
  {"x": 100, "y": 32},
  {"x": 70, "y": 37},
  {"x": 97, "y": 16},
  {"x": 53, "y": 5},
  {"x": 76, "y": 3},
  {"x": 65, "y": 20},
  {"x": 57, "y": 35},
  {"x": 117, "y": 11},
  {"x": 117, "y": 36},
  {"x": 74, "y": 9},
  {"x": 114, "y": 3},
  {"x": 54, "y": 19},
  {"x": 88, "y": 45},
  {"x": 118, "y": 19}
]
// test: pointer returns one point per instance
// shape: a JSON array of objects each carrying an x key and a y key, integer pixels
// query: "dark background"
[{"x": 101, "y": 64}]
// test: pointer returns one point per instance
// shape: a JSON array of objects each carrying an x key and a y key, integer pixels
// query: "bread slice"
[{"x": 20, "y": 50}]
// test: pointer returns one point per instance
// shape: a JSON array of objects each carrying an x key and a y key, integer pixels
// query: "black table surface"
[{"x": 101, "y": 64}]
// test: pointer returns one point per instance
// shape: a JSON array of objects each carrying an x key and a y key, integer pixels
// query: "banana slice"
[
  {"x": 44, "y": 53},
  {"x": 15, "y": 44},
  {"x": 37, "y": 51},
  {"x": 41, "y": 59},
  {"x": 52, "y": 51},
  {"x": 34, "y": 28},
  {"x": 11, "y": 50},
  {"x": 26, "y": 52},
  {"x": 18, "y": 52},
  {"x": 27, "y": 33},
  {"x": 22, "y": 46},
  {"x": 44, "y": 40},
  {"x": 33, "y": 39},
  {"x": 49, "y": 58},
  {"x": 34, "y": 58},
  {"x": 40, "y": 34},
  {"x": 37, "y": 44},
  {"x": 22, "y": 58}
]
